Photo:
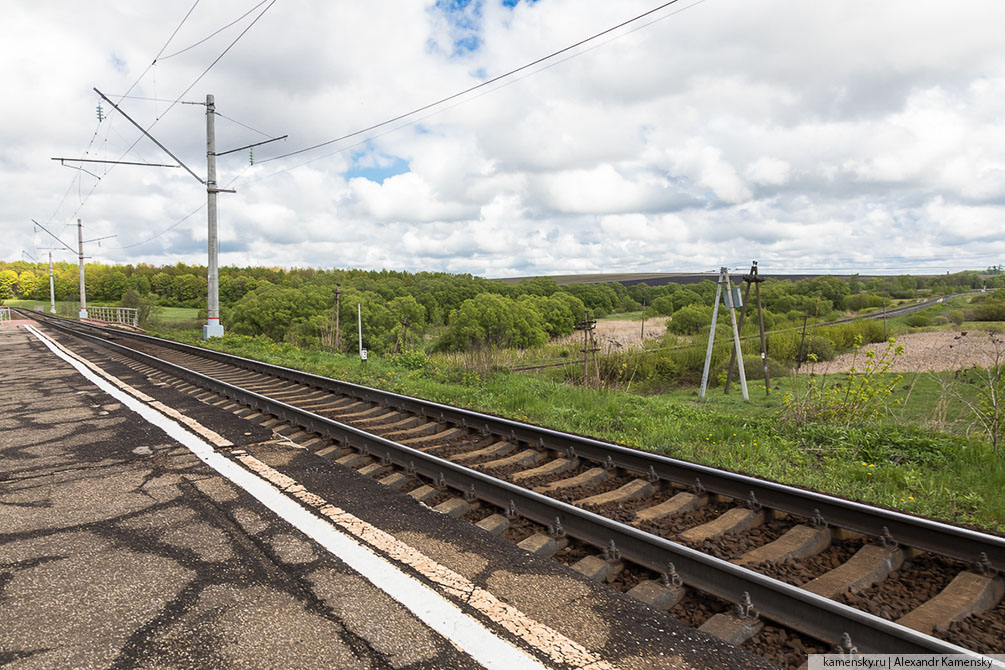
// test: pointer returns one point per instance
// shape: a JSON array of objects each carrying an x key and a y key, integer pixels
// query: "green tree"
[
  {"x": 493, "y": 321},
  {"x": 273, "y": 311},
  {"x": 409, "y": 318},
  {"x": 690, "y": 319},
  {"x": 110, "y": 286},
  {"x": 188, "y": 290},
  {"x": 160, "y": 284},
  {"x": 8, "y": 284},
  {"x": 26, "y": 284}
]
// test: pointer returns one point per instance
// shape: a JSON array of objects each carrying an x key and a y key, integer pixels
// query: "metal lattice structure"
[{"x": 127, "y": 315}]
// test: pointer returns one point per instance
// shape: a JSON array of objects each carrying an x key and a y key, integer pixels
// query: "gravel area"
[
  {"x": 923, "y": 352},
  {"x": 981, "y": 632},
  {"x": 918, "y": 580},
  {"x": 787, "y": 648},
  {"x": 799, "y": 572}
]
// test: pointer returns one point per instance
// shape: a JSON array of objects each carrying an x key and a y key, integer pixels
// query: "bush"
[
  {"x": 752, "y": 368},
  {"x": 784, "y": 346},
  {"x": 658, "y": 368},
  {"x": 861, "y": 301},
  {"x": 411, "y": 360},
  {"x": 918, "y": 321},
  {"x": 489, "y": 320},
  {"x": 957, "y": 317},
  {"x": 690, "y": 320},
  {"x": 819, "y": 346},
  {"x": 845, "y": 335},
  {"x": 990, "y": 311}
]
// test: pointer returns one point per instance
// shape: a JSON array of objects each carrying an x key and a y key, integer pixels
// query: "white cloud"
[{"x": 824, "y": 136}]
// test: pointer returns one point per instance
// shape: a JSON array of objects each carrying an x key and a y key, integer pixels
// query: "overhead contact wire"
[{"x": 483, "y": 84}]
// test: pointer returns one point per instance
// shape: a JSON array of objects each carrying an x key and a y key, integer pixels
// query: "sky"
[{"x": 821, "y": 137}]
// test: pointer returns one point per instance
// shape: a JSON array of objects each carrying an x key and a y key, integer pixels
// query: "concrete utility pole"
[
  {"x": 359, "y": 321},
  {"x": 80, "y": 255},
  {"x": 733, "y": 301},
  {"x": 213, "y": 327},
  {"x": 338, "y": 310},
  {"x": 52, "y": 288}
]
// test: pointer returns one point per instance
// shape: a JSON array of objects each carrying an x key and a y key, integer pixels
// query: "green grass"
[
  {"x": 894, "y": 463},
  {"x": 170, "y": 314}
]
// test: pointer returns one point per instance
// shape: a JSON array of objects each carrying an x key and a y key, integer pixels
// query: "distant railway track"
[{"x": 799, "y": 558}]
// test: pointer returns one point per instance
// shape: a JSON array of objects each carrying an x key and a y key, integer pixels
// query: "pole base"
[
  {"x": 83, "y": 314},
  {"x": 212, "y": 330}
]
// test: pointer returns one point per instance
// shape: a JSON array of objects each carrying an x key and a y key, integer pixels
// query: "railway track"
[{"x": 712, "y": 546}]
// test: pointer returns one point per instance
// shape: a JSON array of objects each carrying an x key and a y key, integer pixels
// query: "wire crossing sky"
[{"x": 811, "y": 137}]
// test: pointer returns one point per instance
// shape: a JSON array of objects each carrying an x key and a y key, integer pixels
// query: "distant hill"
[{"x": 660, "y": 279}]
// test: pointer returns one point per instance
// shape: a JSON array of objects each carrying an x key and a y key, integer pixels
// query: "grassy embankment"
[{"x": 898, "y": 461}]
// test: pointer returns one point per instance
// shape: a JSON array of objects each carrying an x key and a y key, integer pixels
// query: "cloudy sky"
[{"x": 812, "y": 136}]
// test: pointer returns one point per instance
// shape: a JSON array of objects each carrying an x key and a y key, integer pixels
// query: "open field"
[
  {"x": 659, "y": 278},
  {"x": 174, "y": 313},
  {"x": 617, "y": 334},
  {"x": 923, "y": 352}
]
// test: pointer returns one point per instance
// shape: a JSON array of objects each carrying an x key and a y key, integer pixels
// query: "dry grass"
[
  {"x": 617, "y": 335},
  {"x": 923, "y": 352}
]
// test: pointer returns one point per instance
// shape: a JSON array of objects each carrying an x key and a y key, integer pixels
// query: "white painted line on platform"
[
  {"x": 558, "y": 647},
  {"x": 467, "y": 633}
]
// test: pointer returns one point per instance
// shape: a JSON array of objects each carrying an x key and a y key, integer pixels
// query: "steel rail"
[
  {"x": 788, "y": 605},
  {"x": 956, "y": 542}
]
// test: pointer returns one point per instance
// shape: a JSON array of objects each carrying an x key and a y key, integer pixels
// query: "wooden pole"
[
  {"x": 642, "y": 336},
  {"x": 802, "y": 341},
  {"x": 764, "y": 343}
]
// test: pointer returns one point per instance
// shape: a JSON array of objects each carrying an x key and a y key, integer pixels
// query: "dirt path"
[{"x": 924, "y": 352}]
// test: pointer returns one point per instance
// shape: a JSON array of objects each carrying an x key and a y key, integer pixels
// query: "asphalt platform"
[{"x": 122, "y": 547}]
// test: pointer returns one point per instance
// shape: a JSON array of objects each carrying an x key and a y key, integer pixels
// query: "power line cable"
[
  {"x": 214, "y": 34},
  {"x": 243, "y": 125},
  {"x": 456, "y": 104},
  {"x": 97, "y": 127},
  {"x": 178, "y": 222},
  {"x": 483, "y": 84},
  {"x": 177, "y": 99}
]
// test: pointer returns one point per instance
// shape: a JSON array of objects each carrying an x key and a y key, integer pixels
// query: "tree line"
[{"x": 399, "y": 309}]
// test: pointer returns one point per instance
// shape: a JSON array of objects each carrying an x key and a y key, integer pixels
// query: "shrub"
[
  {"x": 861, "y": 301},
  {"x": 991, "y": 311},
  {"x": 862, "y": 398},
  {"x": 752, "y": 368},
  {"x": 957, "y": 317},
  {"x": 690, "y": 320},
  {"x": 411, "y": 360},
  {"x": 819, "y": 346},
  {"x": 845, "y": 335},
  {"x": 493, "y": 321},
  {"x": 918, "y": 321}
]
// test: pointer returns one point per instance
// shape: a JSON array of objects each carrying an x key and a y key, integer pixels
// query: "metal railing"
[{"x": 126, "y": 315}]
